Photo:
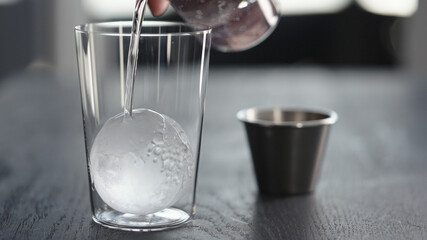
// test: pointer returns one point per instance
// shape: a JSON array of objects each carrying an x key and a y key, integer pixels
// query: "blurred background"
[{"x": 331, "y": 33}]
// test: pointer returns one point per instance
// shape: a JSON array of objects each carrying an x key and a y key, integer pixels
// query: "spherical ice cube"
[{"x": 143, "y": 164}]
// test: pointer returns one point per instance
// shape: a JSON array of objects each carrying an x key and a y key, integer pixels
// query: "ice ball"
[{"x": 143, "y": 164}]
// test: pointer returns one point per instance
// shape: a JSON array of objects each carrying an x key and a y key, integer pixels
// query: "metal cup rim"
[{"x": 332, "y": 116}]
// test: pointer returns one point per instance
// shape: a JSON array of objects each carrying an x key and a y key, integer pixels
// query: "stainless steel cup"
[{"x": 287, "y": 146}]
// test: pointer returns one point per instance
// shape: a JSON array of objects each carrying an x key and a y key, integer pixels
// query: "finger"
[{"x": 158, "y": 7}]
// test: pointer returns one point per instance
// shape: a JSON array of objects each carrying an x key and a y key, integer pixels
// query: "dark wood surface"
[{"x": 373, "y": 183}]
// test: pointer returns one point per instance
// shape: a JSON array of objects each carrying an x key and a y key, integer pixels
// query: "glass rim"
[{"x": 89, "y": 28}]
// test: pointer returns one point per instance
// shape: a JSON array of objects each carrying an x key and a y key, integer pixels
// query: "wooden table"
[{"x": 373, "y": 183}]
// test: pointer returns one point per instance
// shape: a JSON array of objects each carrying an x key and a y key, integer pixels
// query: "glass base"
[{"x": 162, "y": 220}]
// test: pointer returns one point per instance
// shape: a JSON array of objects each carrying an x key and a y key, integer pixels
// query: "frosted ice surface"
[{"x": 141, "y": 165}]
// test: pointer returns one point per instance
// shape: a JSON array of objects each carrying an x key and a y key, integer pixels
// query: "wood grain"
[{"x": 373, "y": 183}]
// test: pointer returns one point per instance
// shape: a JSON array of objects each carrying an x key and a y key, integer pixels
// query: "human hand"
[{"x": 158, "y": 7}]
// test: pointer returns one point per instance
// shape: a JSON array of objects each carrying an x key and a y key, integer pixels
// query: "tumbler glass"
[{"x": 143, "y": 179}]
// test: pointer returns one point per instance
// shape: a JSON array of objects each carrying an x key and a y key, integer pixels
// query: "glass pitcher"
[{"x": 237, "y": 24}]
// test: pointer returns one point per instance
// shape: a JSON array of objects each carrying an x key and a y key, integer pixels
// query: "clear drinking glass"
[{"x": 151, "y": 184}]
